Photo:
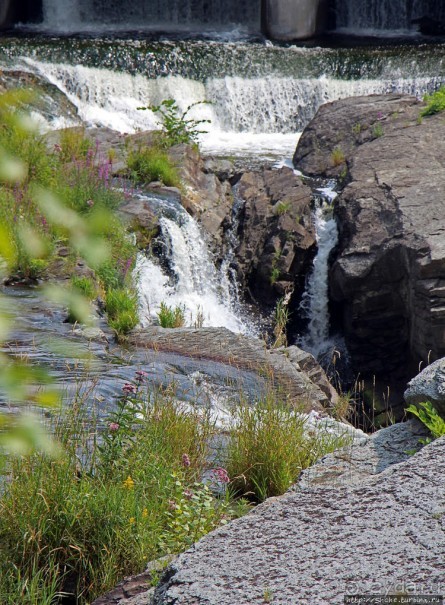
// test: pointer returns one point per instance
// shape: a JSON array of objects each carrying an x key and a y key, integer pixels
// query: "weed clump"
[
  {"x": 435, "y": 103},
  {"x": 147, "y": 164},
  {"x": 270, "y": 443},
  {"x": 121, "y": 494},
  {"x": 171, "y": 317}
]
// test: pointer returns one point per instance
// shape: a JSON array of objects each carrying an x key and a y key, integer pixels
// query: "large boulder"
[
  {"x": 384, "y": 534},
  {"x": 429, "y": 385},
  {"x": 388, "y": 272},
  {"x": 276, "y": 236}
]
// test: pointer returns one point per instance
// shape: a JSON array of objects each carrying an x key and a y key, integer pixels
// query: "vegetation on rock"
[{"x": 435, "y": 103}]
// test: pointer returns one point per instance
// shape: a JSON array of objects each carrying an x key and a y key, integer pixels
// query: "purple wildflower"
[
  {"x": 186, "y": 460},
  {"x": 129, "y": 389},
  {"x": 141, "y": 375},
  {"x": 188, "y": 494}
]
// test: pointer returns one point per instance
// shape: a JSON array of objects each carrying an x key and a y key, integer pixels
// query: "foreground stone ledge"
[{"x": 314, "y": 545}]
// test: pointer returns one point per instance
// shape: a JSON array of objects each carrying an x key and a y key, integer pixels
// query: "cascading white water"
[
  {"x": 315, "y": 301},
  {"x": 191, "y": 280},
  {"x": 385, "y": 15},
  {"x": 80, "y": 15},
  {"x": 264, "y": 113}
]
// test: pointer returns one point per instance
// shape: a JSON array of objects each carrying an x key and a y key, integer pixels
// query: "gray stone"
[
  {"x": 276, "y": 237},
  {"x": 368, "y": 457},
  {"x": 222, "y": 345},
  {"x": 388, "y": 271},
  {"x": 429, "y": 385},
  {"x": 385, "y": 534}
]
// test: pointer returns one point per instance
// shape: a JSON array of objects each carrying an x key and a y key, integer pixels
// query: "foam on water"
[
  {"x": 261, "y": 115},
  {"x": 187, "y": 276}
]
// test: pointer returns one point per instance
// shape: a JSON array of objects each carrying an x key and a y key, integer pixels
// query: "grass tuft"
[{"x": 147, "y": 164}]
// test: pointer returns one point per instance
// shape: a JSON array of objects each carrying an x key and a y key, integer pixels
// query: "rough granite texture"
[
  {"x": 314, "y": 545},
  {"x": 388, "y": 272},
  {"x": 429, "y": 385}
]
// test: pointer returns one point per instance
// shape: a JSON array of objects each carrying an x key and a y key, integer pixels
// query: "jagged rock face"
[
  {"x": 388, "y": 273},
  {"x": 276, "y": 236},
  {"x": 380, "y": 534},
  {"x": 206, "y": 197}
]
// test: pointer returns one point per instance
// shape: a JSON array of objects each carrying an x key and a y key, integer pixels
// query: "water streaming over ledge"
[
  {"x": 315, "y": 300},
  {"x": 184, "y": 275}
]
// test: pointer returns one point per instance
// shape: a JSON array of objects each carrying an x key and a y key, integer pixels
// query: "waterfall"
[
  {"x": 250, "y": 113},
  {"x": 185, "y": 275},
  {"x": 81, "y": 15},
  {"x": 385, "y": 15},
  {"x": 315, "y": 301}
]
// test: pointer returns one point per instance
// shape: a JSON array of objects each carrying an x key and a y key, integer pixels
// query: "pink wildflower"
[
  {"x": 221, "y": 475},
  {"x": 129, "y": 389},
  {"x": 172, "y": 505},
  {"x": 188, "y": 494},
  {"x": 113, "y": 427}
]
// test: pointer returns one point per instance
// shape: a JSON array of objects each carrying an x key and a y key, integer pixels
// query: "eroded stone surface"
[
  {"x": 314, "y": 545},
  {"x": 276, "y": 236}
]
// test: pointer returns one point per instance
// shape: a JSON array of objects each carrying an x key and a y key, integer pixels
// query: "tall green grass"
[
  {"x": 115, "y": 500},
  {"x": 270, "y": 443}
]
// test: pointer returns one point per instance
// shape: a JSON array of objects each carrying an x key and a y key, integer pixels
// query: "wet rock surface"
[
  {"x": 382, "y": 534},
  {"x": 276, "y": 236},
  {"x": 285, "y": 369},
  {"x": 388, "y": 272}
]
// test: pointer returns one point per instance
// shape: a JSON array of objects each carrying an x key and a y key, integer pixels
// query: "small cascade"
[
  {"x": 315, "y": 301},
  {"x": 184, "y": 275}
]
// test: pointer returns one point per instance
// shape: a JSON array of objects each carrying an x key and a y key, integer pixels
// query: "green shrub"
[
  {"x": 147, "y": 164},
  {"x": 176, "y": 126},
  {"x": 171, "y": 317},
  {"x": 269, "y": 445},
  {"x": 435, "y": 102}
]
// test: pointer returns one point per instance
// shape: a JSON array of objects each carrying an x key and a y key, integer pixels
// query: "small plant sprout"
[
  {"x": 268, "y": 595},
  {"x": 435, "y": 103},
  {"x": 377, "y": 130},
  {"x": 281, "y": 319},
  {"x": 281, "y": 208},
  {"x": 429, "y": 416},
  {"x": 171, "y": 317}
]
